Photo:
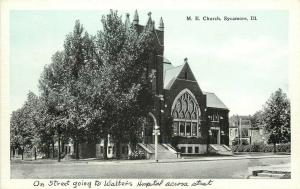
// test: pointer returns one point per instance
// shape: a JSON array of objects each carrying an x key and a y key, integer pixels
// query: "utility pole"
[
  {"x": 156, "y": 132},
  {"x": 240, "y": 128}
]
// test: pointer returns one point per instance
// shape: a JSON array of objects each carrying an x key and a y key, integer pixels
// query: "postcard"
[{"x": 149, "y": 94}]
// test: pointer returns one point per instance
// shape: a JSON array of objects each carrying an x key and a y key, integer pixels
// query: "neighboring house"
[
  {"x": 198, "y": 117},
  {"x": 242, "y": 132}
]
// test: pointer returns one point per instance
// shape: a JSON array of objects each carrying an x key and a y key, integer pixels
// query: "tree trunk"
[
  {"x": 48, "y": 150},
  {"x": 105, "y": 148},
  {"x": 53, "y": 149},
  {"x": 34, "y": 153},
  {"x": 58, "y": 155},
  {"x": 117, "y": 148},
  {"x": 22, "y": 153},
  {"x": 77, "y": 150},
  {"x": 274, "y": 147},
  {"x": 62, "y": 146}
]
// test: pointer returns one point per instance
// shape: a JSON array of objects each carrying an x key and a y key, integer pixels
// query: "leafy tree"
[
  {"x": 277, "y": 118},
  {"x": 97, "y": 86},
  {"x": 124, "y": 55},
  {"x": 16, "y": 138},
  {"x": 53, "y": 89},
  {"x": 61, "y": 86},
  {"x": 22, "y": 125},
  {"x": 257, "y": 119}
]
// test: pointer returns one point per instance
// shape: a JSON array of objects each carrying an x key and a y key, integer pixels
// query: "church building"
[{"x": 190, "y": 120}]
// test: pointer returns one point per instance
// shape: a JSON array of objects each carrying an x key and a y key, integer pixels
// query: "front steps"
[
  {"x": 165, "y": 151},
  {"x": 220, "y": 149}
]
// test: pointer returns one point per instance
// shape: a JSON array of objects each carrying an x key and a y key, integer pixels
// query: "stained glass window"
[{"x": 186, "y": 114}]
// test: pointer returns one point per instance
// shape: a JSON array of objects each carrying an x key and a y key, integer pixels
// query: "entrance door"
[
  {"x": 214, "y": 136},
  {"x": 148, "y": 137}
]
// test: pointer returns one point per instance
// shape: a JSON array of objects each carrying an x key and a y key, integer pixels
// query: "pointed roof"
[
  {"x": 212, "y": 101},
  {"x": 171, "y": 74},
  {"x": 161, "y": 24},
  {"x": 149, "y": 22},
  {"x": 127, "y": 21},
  {"x": 136, "y": 18}
]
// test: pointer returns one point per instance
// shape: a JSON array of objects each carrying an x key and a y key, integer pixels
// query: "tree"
[
  {"x": 257, "y": 119},
  {"x": 22, "y": 125},
  {"x": 277, "y": 118},
  {"x": 53, "y": 89},
  {"x": 124, "y": 55},
  {"x": 96, "y": 86},
  {"x": 61, "y": 87}
]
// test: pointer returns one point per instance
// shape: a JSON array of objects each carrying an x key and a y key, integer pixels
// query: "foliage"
[
  {"x": 257, "y": 119},
  {"x": 97, "y": 85},
  {"x": 260, "y": 147},
  {"x": 137, "y": 155},
  {"x": 277, "y": 117},
  {"x": 236, "y": 141},
  {"x": 22, "y": 125}
]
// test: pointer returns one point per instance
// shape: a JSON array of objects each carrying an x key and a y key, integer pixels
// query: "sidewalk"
[
  {"x": 212, "y": 158},
  {"x": 94, "y": 161}
]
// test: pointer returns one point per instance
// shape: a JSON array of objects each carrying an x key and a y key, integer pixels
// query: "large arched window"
[{"x": 186, "y": 114}]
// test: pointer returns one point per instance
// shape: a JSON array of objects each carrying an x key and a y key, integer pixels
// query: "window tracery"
[{"x": 186, "y": 114}]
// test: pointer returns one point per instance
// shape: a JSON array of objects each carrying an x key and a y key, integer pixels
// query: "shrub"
[
  {"x": 260, "y": 147},
  {"x": 137, "y": 155},
  {"x": 243, "y": 141}
]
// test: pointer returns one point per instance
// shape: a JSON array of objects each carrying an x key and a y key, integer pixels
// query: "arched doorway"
[{"x": 148, "y": 130}]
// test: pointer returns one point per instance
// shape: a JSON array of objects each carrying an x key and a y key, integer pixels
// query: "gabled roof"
[
  {"x": 170, "y": 74},
  {"x": 212, "y": 101}
]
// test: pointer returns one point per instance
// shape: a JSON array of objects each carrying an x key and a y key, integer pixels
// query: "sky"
[{"x": 242, "y": 62}]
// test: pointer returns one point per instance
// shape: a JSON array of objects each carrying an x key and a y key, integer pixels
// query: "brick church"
[{"x": 190, "y": 120}]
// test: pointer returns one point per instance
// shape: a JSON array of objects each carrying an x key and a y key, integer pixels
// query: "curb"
[{"x": 184, "y": 160}]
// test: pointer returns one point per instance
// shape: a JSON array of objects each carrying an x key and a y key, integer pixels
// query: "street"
[{"x": 222, "y": 169}]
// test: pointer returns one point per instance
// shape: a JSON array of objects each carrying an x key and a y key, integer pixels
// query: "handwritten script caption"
[{"x": 80, "y": 184}]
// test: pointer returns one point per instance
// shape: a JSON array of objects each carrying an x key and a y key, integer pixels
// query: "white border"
[{"x": 294, "y": 28}]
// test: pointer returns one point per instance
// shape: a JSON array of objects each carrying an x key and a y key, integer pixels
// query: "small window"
[
  {"x": 196, "y": 149},
  {"x": 190, "y": 150},
  {"x": 101, "y": 149},
  {"x": 182, "y": 129},
  {"x": 186, "y": 75},
  {"x": 188, "y": 129},
  {"x": 182, "y": 149},
  {"x": 194, "y": 129},
  {"x": 175, "y": 128}
]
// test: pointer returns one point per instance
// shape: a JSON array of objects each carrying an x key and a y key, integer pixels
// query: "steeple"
[
  {"x": 161, "y": 24},
  {"x": 127, "y": 21},
  {"x": 149, "y": 22},
  {"x": 135, "y": 18}
]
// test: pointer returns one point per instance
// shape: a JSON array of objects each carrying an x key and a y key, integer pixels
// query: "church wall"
[
  {"x": 170, "y": 96},
  {"x": 223, "y": 123}
]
